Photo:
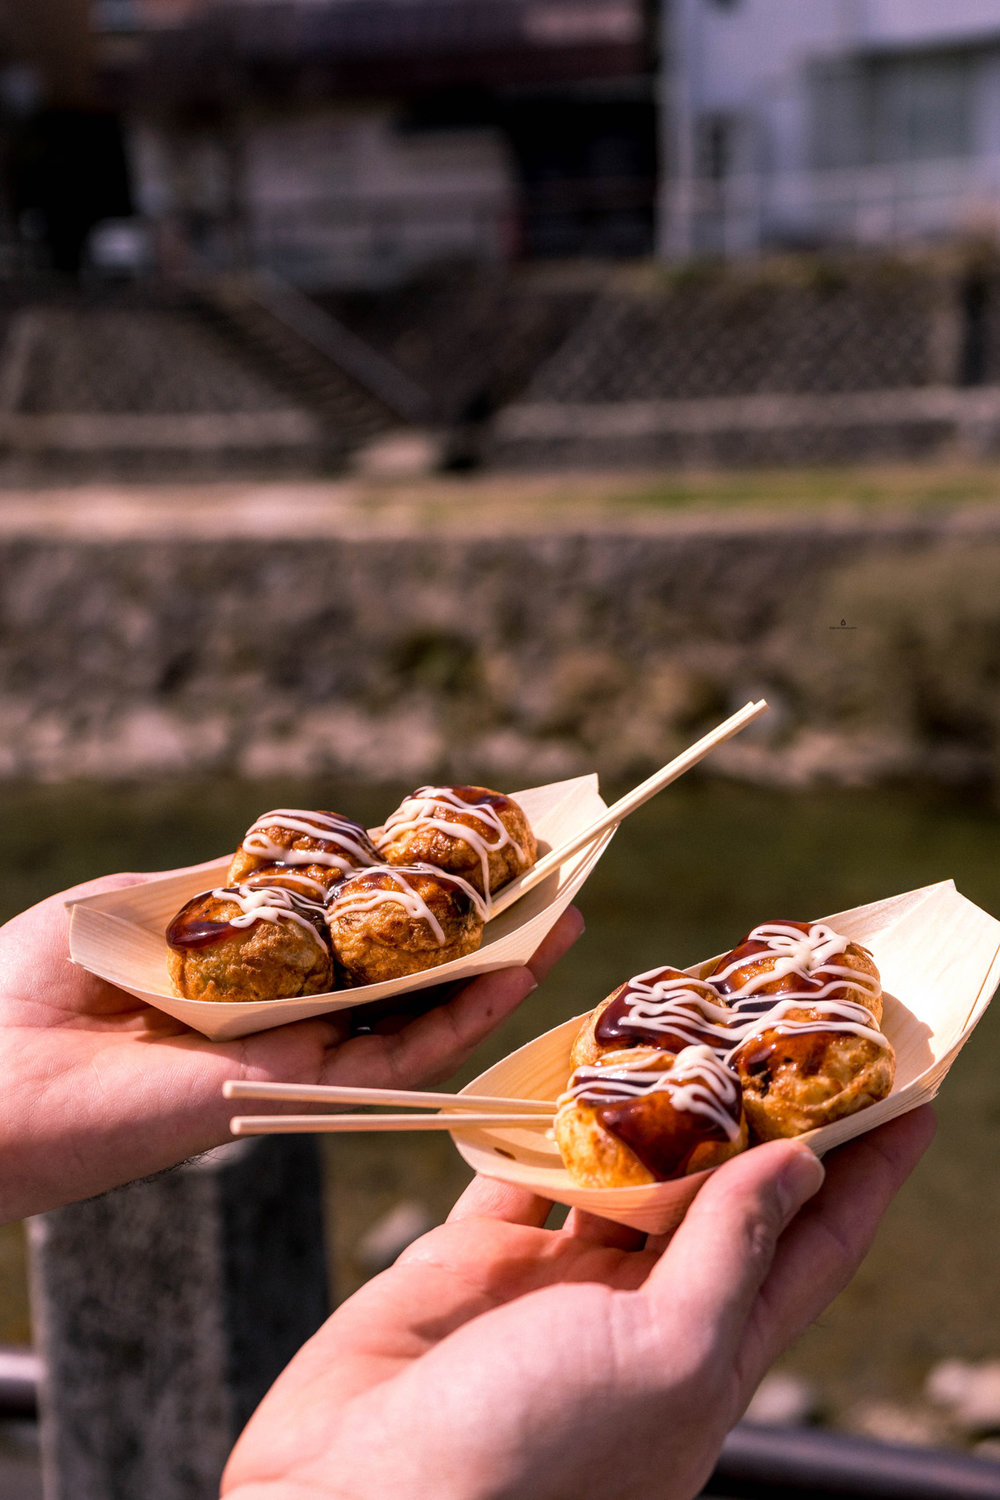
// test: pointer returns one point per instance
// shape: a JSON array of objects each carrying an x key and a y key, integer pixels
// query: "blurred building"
[
  {"x": 354, "y": 142},
  {"x": 816, "y": 122},
  {"x": 61, "y": 151}
]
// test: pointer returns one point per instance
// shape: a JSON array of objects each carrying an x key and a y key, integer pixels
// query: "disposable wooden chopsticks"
[
  {"x": 455, "y": 1110},
  {"x": 627, "y": 804},
  {"x": 335, "y": 1124},
  {"x": 333, "y": 1093}
]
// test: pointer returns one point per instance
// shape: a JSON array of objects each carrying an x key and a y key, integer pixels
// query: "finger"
[
  {"x": 43, "y": 929},
  {"x": 557, "y": 942},
  {"x": 429, "y": 1048},
  {"x": 51, "y": 914},
  {"x": 567, "y": 930},
  {"x": 103, "y": 883},
  {"x": 827, "y": 1242},
  {"x": 656, "y": 1244},
  {"x": 597, "y": 1231},
  {"x": 706, "y": 1283},
  {"x": 432, "y": 1045},
  {"x": 389, "y": 1016},
  {"x": 485, "y": 1198},
  {"x": 121, "y": 880}
]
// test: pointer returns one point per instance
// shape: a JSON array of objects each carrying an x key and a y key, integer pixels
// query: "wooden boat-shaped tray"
[
  {"x": 119, "y": 935},
  {"x": 939, "y": 957}
]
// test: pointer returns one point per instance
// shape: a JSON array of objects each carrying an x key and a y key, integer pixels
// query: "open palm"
[
  {"x": 499, "y": 1359},
  {"x": 100, "y": 1088}
]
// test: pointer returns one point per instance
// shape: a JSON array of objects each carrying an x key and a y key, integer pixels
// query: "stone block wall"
[{"x": 515, "y": 658}]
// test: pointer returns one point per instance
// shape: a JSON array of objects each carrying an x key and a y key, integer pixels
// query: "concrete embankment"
[{"x": 281, "y": 632}]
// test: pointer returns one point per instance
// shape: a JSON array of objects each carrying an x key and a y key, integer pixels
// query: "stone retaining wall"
[{"x": 508, "y": 658}]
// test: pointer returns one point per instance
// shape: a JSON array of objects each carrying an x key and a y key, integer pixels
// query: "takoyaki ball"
[
  {"x": 643, "y": 1116},
  {"x": 243, "y": 944},
  {"x": 310, "y": 881},
  {"x": 798, "y": 1072},
  {"x": 323, "y": 844},
  {"x": 663, "y": 1008},
  {"x": 802, "y": 961},
  {"x": 470, "y": 831},
  {"x": 389, "y": 921}
]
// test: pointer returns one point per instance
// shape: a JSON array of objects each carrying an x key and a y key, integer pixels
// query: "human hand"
[
  {"x": 498, "y": 1359},
  {"x": 100, "y": 1088}
]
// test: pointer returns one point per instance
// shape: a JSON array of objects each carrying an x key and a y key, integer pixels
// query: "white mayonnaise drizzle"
[
  {"x": 804, "y": 954},
  {"x": 700, "y": 1078},
  {"x": 727, "y": 1027},
  {"x": 428, "y": 807},
  {"x": 786, "y": 1018},
  {"x": 318, "y": 889},
  {"x": 795, "y": 952},
  {"x": 696, "y": 1080},
  {"x": 680, "y": 1004},
  {"x": 401, "y": 893},
  {"x": 273, "y": 903},
  {"x": 327, "y": 827}
]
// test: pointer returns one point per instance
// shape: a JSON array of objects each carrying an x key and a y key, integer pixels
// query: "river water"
[{"x": 683, "y": 878}]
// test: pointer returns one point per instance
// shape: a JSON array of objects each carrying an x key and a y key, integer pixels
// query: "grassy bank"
[
  {"x": 489, "y": 500},
  {"x": 554, "y": 497}
]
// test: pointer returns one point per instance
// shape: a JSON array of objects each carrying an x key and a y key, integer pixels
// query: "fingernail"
[
  {"x": 575, "y": 915},
  {"x": 801, "y": 1177},
  {"x": 530, "y": 987}
]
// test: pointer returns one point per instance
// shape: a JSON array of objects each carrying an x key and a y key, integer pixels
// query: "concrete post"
[{"x": 163, "y": 1312}]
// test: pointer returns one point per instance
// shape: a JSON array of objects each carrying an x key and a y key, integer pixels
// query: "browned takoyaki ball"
[
  {"x": 652, "y": 1137},
  {"x": 389, "y": 921},
  {"x": 271, "y": 959},
  {"x": 470, "y": 831},
  {"x": 740, "y": 976},
  {"x": 309, "y": 881},
  {"x": 321, "y": 846},
  {"x": 664, "y": 1008},
  {"x": 797, "y": 1074}
]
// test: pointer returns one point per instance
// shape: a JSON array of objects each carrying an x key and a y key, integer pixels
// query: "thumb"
[
  {"x": 488, "y": 1198},
  {"x": 706, "y": 1282}
]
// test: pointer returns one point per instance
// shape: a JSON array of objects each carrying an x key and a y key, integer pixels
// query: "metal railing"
[
  {"x": 20, "y": 1375},
  {"x": 367, "y": 240},
  {"x": 769, "y": 1463},
  {"x": 869, "y": 205},
  {"x": 757, "y": 1463},
  {"x": 368, "y": 27}
]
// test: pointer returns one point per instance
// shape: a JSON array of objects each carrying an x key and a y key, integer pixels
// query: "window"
[
  {"x": 716, "y": 142},
  {"x": 920, "y": 108},
  {"x": 869, "y": 111}
]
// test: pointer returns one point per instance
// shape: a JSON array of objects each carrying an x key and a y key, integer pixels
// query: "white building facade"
[{"x": 795, "y": 123}]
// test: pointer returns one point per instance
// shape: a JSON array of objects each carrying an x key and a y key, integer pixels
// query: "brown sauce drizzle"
[
  {"x": 198, "y": 932},
  {"x": 745, "y": 954},
  {"x": 400, "y": 882},
  {"x": 663, "y": 1138},
  {"x": 618, "y": 1025},
  {"x": 320, "y": 838},
  {"x": 190, "y": 930},
  {"x": 354, "y": 896},
  {"x": 805, "y": 1050},
  {"x": 475, "y": 796}
]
